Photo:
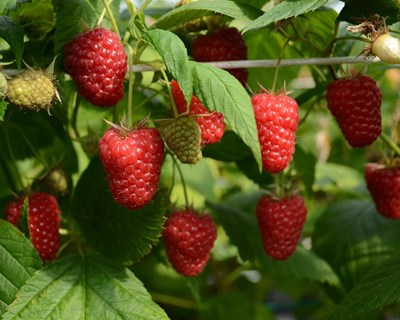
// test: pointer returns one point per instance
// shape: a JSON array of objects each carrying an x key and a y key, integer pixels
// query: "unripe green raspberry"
[
  {"x": 57, "y": 181},
  {"x": 32, "y": 90},
  {"x": 182, "y": 136},
  {"x": 3, "y": 85}
]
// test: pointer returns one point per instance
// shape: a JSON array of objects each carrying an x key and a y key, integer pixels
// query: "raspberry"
[
  {"x": 182, "y": 136},
  {"x": 277, "y": 120},
  {"x": 223, "y": 45},
  {"x": 43, "y": 222},
  {"x": 189, "y": 238},
  {"x": 212, "y": 125},
  {"x": 97, "y": 62},
  {"x": 356, "y": 105},
  {"x": 3, "y": 85},
  {"x": 280, "y": 223},
  {"x": 387, "y": 48},
  {"x": 132, "y": 162},
  {"x": 32, "y": 90},
  {"x": 383, "y": 184}
]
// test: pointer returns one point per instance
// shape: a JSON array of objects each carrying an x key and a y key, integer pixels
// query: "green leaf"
[
  {"x": 219, "y": 91},
  {"x": 13, "y": 34},
  {"x": 84, "y": 288},
  {"x": 379, "y": 287},
  {"x": 234, "y": 306},
  {"x": 111, "y": 229},
  {"x": 355, "y": 11},
  {"x": 284, "y": 10},
  {"x": 237, "y": 222},
  {"x": 174, "y": 53},
  {"x": 352, "y": 237},
  {"x": 18, "y": 262},
  {"x": 230, "y": 148},
  {"x": 195, "y": 10},
  {"x": 3, "y": 108},
  {"x": 304, "y": 264},
  {"x": 249, "y": 167},
  {"x": 6, "y": 5},
  {"x": 79, "y": 12}
]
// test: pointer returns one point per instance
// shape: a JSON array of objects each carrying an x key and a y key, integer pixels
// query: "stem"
[
  {"x": 8, "y": 175},
  {"x": 182, "y": 180},
  {"x": 74, "y": 119},
  {"x": 144, "y": 5},
  {"x": 352, "y": 38},
  {"x": 130, "y": 87},
  {"x": 175, "y": 301},
  {"x": 13, "y": 161},
  {"x": 393, "y": 146},
  {"x": 37, "y": 155},
  {"x": 111, "y": 16},
  {"x": 278, "y": 64},
  {"x": 171, "y": 98}
]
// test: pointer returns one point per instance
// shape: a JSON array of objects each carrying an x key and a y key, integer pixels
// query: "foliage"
[{"x": 112, "y": 263}]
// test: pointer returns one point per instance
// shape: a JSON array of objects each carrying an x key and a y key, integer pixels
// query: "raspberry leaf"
[
  {"x": 19, "y": 262},
  {"x": 111, "y": 229},
  {"x": 174, "y": 53},
  {"x": 84, "y": 287},
  {"x": 283, "y": 10},
  {"x": 237, "y": 222},
  {"x": 200, "y": 9},
  {"x": 378, "y": 288},
  {"x": 13, "y": 34},
  {"x": 353, "y": 238},
  {"x": 67, "y": 26},
  {"x": 219, "y": 91}
]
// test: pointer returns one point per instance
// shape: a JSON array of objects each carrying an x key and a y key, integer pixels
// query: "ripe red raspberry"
[
  {"x": 132, "y": 161},
  {"x": 189, "y": 238},
  {"x": 277, "y": 119},
  {"x": 43, "y": 222},
  {"x": 212, "y": 125},
  {"x": 223, "y": 45},
  {"x": 280, "y": 223},
  {"x": 384, "y": 186},
  {"x": 356, "y": 105},
  {"x": 97, "y": 62}
]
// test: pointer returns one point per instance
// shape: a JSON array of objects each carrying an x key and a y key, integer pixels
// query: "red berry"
[
  {"x": 277, "y": 119},
  {"x": 223, "y": 45},
  {"x": 212, "y": 125},
  {"x": 132, "y": 161},
  {"x": 97, "y": 62},
  {"x": 43, "y": 222},
  {"x": 189, "y": 238},
  {"x": 356, "y": 105},
  {"x": 384, "y": 186},
  {"x": 280, "y": 223}
]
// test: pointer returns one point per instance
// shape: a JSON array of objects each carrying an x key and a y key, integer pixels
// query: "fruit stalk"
[
  {"x": 111, "y": 17},
  {"x": 393, "y": 146}
]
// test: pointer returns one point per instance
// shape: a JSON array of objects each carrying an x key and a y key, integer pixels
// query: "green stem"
[
  {"x": 144, "y": 5},
  {"x": 352, "y": 38},
  {"x": 171, "y": 98},
  {"x": 8, "y": 175},
  {"x": 37, "y": 155},
  {"x": 182, "y": 180},
  {"x": 308, "y": 111},
  {"x": 74, "y": 118},
  {"x": 130, "y": 88},
  {"x": 392, "y": 145},
  {"x": 13, "y": 160},
  {"x": 174, "y": 301},
  {"x": 111, "y": 16},
  {"x": 278, "y": 64}
]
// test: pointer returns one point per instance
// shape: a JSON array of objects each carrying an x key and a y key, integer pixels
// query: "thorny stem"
[
  {"x": 111, "y": 16},
  {"x": 393, "y": 146},
  {"x": 278, "y": 64}
]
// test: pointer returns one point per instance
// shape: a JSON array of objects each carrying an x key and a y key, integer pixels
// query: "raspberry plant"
[{"x": 109, "y": 184}]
